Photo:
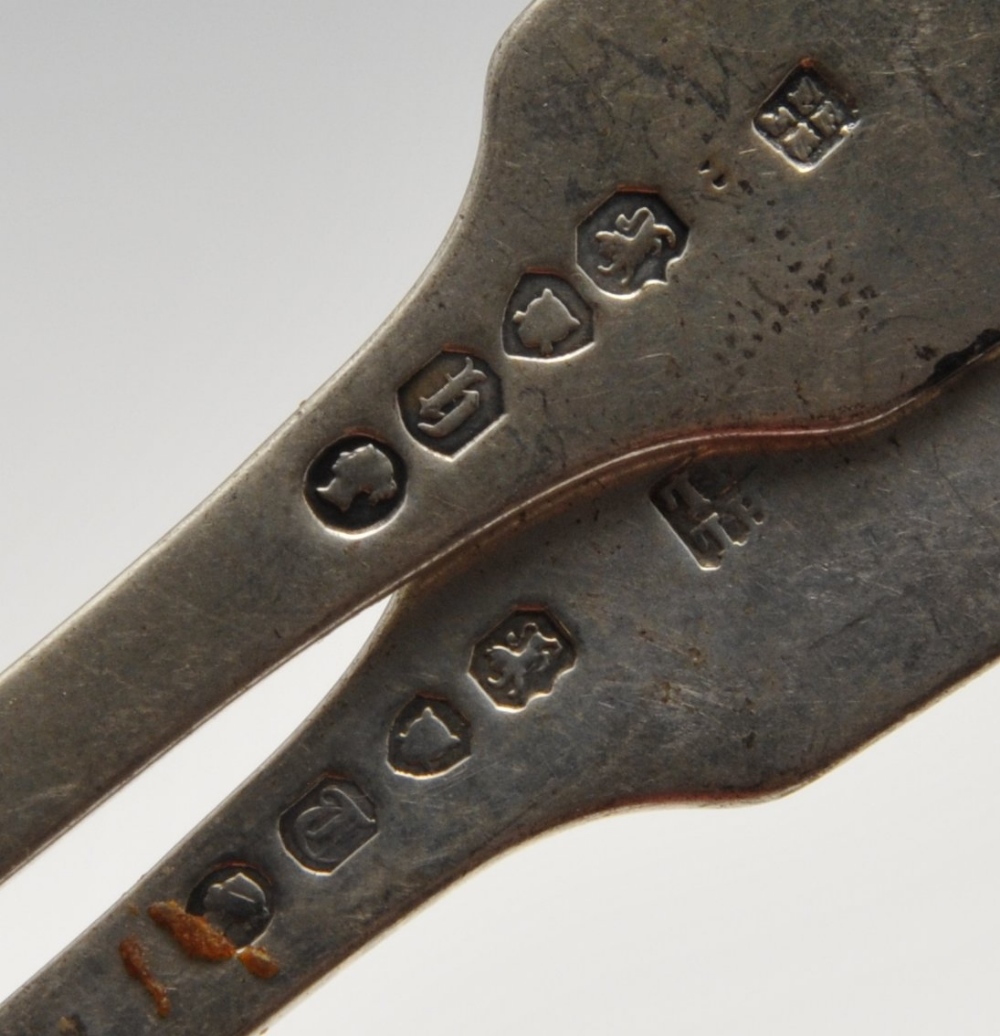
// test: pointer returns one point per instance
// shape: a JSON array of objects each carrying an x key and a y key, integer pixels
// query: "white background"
[{"x": 193, "y": 208}]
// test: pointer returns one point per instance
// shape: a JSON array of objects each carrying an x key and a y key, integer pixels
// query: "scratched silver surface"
[
  {"x": 70, "y": 560},
  {"x": 715, "y": 633},
  {"x": 687, "y": 220}
]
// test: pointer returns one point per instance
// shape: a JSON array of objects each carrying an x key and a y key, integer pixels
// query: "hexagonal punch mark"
[
  {"x": 522, "y": 658},
  {"x": 331, "y": 822},
  {"x": 355, "y": 484},
  {"x": 805, "y": 119},
  {"x": 451, "y": 401},
  {"x": 546, "y": 319},
  {"x": 429, "y": 737},
  {"x": 629, "y": 241}
]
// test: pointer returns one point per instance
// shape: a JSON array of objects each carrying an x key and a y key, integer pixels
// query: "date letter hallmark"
[
  {"x": 453, "y": 404},
  {"x": 451, "y": 401},
  {"x": 709, "y": 523},
  {"x": 805, "y": 119},
  {"x": 328, "y": 824}
]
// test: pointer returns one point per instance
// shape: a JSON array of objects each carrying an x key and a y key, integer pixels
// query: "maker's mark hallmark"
[
  {"x": 429, "y": 737},
  {"x": 452, "y": 400},
  {"x": 805, "y": 119},
  {"x": 328, "y": 824},
  {"x": 546, "y": 319},
  {"x": 709, "y": 521},
  {"x": 522, "y": 658},
  {"x": 629, "y": 241},
  {"x": 355, "y": 484}
]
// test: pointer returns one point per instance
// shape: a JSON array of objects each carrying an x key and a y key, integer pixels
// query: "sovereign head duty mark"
[
  {"x": 235, "y": 900},
  {"x": 355, "y": 484}
]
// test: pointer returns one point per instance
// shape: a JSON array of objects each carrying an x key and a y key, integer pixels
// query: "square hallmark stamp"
[{"x": 805, "y": 119}]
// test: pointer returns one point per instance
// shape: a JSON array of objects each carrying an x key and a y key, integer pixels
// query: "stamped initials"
[{"x": 708, "y": 521}]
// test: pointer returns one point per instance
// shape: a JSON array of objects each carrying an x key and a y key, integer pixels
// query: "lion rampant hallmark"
[
  {"x": 637, "y": 238},
  {"x": 516, "y": 664},
  {"x": 522, "y": 657}
]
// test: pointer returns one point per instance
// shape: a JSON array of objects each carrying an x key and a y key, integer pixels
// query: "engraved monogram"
[
  {"x": 522, "y": 658},
  {"x": 708, "y": 523},
  {"x": 451, "y": 401},
  {"x": 629, "y": 241},
  {"x": 328, "y": 824},
  {"x": 354, "y": 484},
  {"x": 805, "y": 119},
  {"x": 546, "y": 319},
  {"x": 430, "y": 737}
]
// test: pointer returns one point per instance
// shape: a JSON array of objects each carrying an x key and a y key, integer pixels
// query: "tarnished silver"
[
  {"x": 582, "y": 666},
  {"x": 689, "y": 223}
]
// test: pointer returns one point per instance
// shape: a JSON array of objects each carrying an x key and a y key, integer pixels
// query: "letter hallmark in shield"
[
  {"x": 328, "y": 824},
  {"x": 454, "y": 399}
]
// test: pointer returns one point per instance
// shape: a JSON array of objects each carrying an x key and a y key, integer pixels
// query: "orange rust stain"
[
  {"x": 258, "y": 962},
  {"x": 201, "y": 940},
  {"x": 134, "y": 959},
  {"x": 195, "y": 936}
]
